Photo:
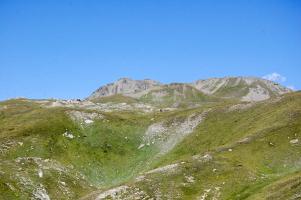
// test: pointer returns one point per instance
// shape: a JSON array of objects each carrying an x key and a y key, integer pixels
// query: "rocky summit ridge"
[
  {"x": 242, "y": 88},
  {"x": 125, "y": 86}
]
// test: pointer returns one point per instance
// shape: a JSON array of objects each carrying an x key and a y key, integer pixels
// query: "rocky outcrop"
[
  {"x": 125, "y": 86},
  {"x": 243, "y": 88}
]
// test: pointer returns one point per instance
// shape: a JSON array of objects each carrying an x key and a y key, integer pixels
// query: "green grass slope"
[
  {"x": 234, "y": 154},
  {"x": 245, "y": 151},
  {"x": 101, "y": 154},
  {"x": 118, "y": 98}
]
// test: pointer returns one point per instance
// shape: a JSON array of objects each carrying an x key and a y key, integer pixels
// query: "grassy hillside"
[
  {"x": 104, "y": 152},
  {"x": 245, "y": 153},
  {"x": 118, "y": 98},
  {"x": 232, "y": 151}
]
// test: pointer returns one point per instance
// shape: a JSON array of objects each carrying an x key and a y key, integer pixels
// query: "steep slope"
[{"x": 250, "y": 152}]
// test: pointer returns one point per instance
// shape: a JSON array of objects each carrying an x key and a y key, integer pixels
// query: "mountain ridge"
[{"x": 243, "y": 88}]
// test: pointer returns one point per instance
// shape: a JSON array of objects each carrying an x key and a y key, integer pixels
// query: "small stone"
[
  {"x": 68, "y": 135},
  {"x": 141, "y": 146},
  {"x": 190, "y": 179},
  {"x": 89, "y": 121},
  {"x": 40, "y": 173},
  {"x": 294, "y": 141},
  {"x": 217, "y": 188}
]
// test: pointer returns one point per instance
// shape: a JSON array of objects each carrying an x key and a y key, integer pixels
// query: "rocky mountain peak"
[
  {"x": 248, "y": 88},
  {"x": 124, "y": 86}
]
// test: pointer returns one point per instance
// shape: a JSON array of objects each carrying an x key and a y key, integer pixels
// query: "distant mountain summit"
[
  {"x": 125, "y": 86},
  {"x": 243, "y": 88},
  {"x": 238, "y": 88}
]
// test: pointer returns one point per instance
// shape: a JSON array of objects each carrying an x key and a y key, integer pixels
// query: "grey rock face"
[
  {"x": 212, "y": 85},
  {"x": 124, "y": 86},
  {"x": 245, "y": 88}
]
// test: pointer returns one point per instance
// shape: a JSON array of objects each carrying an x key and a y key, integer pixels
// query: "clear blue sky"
[{"x": 66, "y": 49}]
